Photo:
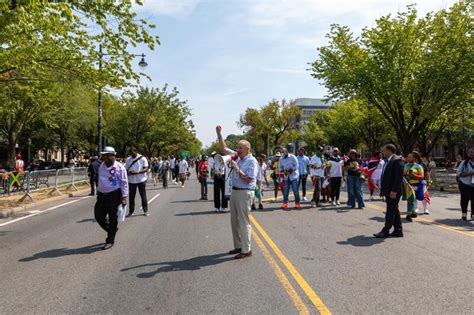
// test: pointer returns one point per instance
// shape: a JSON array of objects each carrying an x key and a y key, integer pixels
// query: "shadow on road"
[
  {"x": 378, "y": 219},
  {"x": 86, "y": 220},
  {"x": 60, "y": 252},
  {"x": 197, "y": 213},
  {"x": 190, "y": 201},
  {"x": 361, "y": 241},
  {"x": 466, "y": 225},
  {"x": 195, "y": 263},
  {"x": 4, "y": 232}
]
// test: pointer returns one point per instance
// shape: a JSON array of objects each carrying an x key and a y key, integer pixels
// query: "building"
[{"x": 309, "y": 106}]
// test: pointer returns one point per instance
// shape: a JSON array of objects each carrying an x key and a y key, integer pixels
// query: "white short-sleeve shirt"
[{"x": 136, "y": 167}]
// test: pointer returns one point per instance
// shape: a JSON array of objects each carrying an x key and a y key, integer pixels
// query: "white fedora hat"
[{"x": 108, "y": 150}]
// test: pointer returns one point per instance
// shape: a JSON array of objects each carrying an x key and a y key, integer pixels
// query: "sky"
[{"x": 227, "y": 55}]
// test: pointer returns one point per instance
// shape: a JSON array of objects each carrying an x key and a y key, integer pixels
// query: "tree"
[
  {"x": 274, "y": 123},
  {"x": 154, "y": 120},
  {"x": 412, "y": 70},
  {"x": 49, "y": 42}
]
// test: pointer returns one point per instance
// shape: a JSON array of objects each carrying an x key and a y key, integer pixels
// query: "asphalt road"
[{"x": 174, "y": 261}]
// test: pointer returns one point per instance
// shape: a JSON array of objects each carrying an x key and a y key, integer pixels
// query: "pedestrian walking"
[
  {"x": 303, "y": 164},
  {"x": 19, "y": 163},
  {"x": 155, "y": 171},
  {"x": 374, "y": 172},
  {"x": 262, "y": 166},
  {"x": 316, "y": 165},
  {"x": 218, "y": 173},
  {"x": 183, "y": 170},
  {"x": 352, "y": 167},
  {"x": 112, "y": 190},
  {"x": 423, "y": 162},
  {"x": 465, "y": 175},
  {"x": 334, "y": 173},
  {"x": 137, "y": 171},
  {"x": 277, "y": 176},
  {"x": 164, "y": 172},
  {"x": 203, "y": 171},
  {"x": 290, "y": 167},
  {"x": 172, "y": 166},
  {"x": 392, "y": 181},
  {"x": 93, "y": 172},
  {"x": 413, "y": 178},
  {"x": 244, "y": 182}
]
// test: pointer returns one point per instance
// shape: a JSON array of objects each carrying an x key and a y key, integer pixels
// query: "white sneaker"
[
  {"x": 218, "y": 210},
  {"x": 417, "y": 211},
  {"x": 338, "y": 203},
  {"x": 371, "y": 198},
  {"x": 182, "y": 186},
  {"x": 305, "y": 199},
  {"x": 427, "y": 211},
  {"x": 333, "y": 203},
  {"x": 222, "y": 210}
]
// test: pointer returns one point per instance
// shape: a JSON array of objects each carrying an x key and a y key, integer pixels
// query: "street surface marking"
[
  {"x": 315, "y": 299},
  {"x": 40, "y": 212},
  {"x": 299, "y": 304},
  {"x": 418, "y": 219},
  {"x": 151, "y": 200},
  {"x": 428, "y": 222}
]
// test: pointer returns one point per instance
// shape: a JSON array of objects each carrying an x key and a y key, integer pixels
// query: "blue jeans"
[
  {"x": 286, "y": 191},
  {"x": 354, "y": 191}
]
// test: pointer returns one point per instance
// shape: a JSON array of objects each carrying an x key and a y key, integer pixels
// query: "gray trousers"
[{"x": 240, "y": 204}]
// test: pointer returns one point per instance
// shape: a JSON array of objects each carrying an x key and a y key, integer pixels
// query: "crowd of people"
[{"x": 387, "y": 175}]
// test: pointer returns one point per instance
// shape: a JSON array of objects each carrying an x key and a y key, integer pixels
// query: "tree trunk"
[{"x": 11, "y": 151}]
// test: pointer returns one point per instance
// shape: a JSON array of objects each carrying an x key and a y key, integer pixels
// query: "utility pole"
[{"x": 99, "y": 123}]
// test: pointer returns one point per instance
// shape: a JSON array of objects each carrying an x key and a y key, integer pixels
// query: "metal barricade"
[
  {"x": 444, "y": 179},
  {"x": 27, "y": 182}
]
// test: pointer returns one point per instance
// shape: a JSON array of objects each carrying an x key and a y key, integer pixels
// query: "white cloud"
[
  {"x": 285, "y": 71},
  {"x": 285, "y": 13},
  {"x": 234, "y": 92},
  {"x": 175, "y": 8}
]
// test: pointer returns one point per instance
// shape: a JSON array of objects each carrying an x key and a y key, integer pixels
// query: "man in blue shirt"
[
  {"x": 303, "y": 162},
  {"x": 244, "y": 181},
  {"x": 290, "y": 167}
]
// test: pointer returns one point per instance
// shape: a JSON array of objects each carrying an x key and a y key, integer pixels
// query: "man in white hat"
[{"x": 112, "y": 190}]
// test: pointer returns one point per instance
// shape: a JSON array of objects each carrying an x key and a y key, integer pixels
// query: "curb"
[{"x": 5, "y": 213}]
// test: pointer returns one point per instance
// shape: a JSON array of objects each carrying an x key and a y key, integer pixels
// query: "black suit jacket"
[{"x": 392, "y": 177}]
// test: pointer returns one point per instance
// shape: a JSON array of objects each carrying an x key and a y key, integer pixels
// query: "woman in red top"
[{"x": 202, "y": 175}]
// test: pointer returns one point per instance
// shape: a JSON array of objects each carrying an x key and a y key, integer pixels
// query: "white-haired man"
[{"x": 244, "y": 182}]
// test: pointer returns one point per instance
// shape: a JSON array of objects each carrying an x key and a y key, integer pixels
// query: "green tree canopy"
[{"x": 411, "y": 69}]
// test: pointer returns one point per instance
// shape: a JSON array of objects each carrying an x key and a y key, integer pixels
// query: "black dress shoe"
[
  {"x": 243, "y": 255},
  {"x": 107, "y": 246},
  {"x": 253, "y": 207},
  {"x": 381, "y": 235},
  {"x": 129, "y": 215},
  {"x": 235, "y": 251},
  {"x": 396, "y": 234},
  {"x": 408, "y": 218}
]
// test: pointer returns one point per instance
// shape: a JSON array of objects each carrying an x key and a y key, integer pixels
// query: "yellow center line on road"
[
  {"x": 314, "y": 298},
  {"x": 428, "y": 222},
  {"x": 295, "y": 298},
  {"x": 418, "y": 219}
]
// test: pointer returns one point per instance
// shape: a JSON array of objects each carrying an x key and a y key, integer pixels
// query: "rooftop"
[{"x": 314, "y": 103}]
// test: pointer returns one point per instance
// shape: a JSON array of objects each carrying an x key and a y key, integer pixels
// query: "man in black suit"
[{"x": 392, "y": 177}]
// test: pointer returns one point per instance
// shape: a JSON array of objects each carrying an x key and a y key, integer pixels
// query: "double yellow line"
[
  {"x": 418, "y": 219},
  {"x": 303, "y": 284}
]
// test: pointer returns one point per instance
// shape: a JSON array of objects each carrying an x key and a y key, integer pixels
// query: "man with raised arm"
[{"x": 244, "y": 181}]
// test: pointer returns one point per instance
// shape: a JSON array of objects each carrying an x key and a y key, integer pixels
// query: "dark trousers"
[
  {"x": 392, "y": 215},
  {"x": 164, "y": 179},
  {"x": 132, "y": 192},
  {"x": 318, "y": 182},
  {"x": 203, "y": 182},
  {"x": 467, "y": 194},
  {"x": 93, "y": 183},
  {"x": 302, "y": 182},
  {"x": 107, "y": 205},
  {"x": 220, "y": 199},
  {"x": 336, "y": 188}
]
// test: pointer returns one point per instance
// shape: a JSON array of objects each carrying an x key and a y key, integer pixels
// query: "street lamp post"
[{"x": 142, "y": 64}]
